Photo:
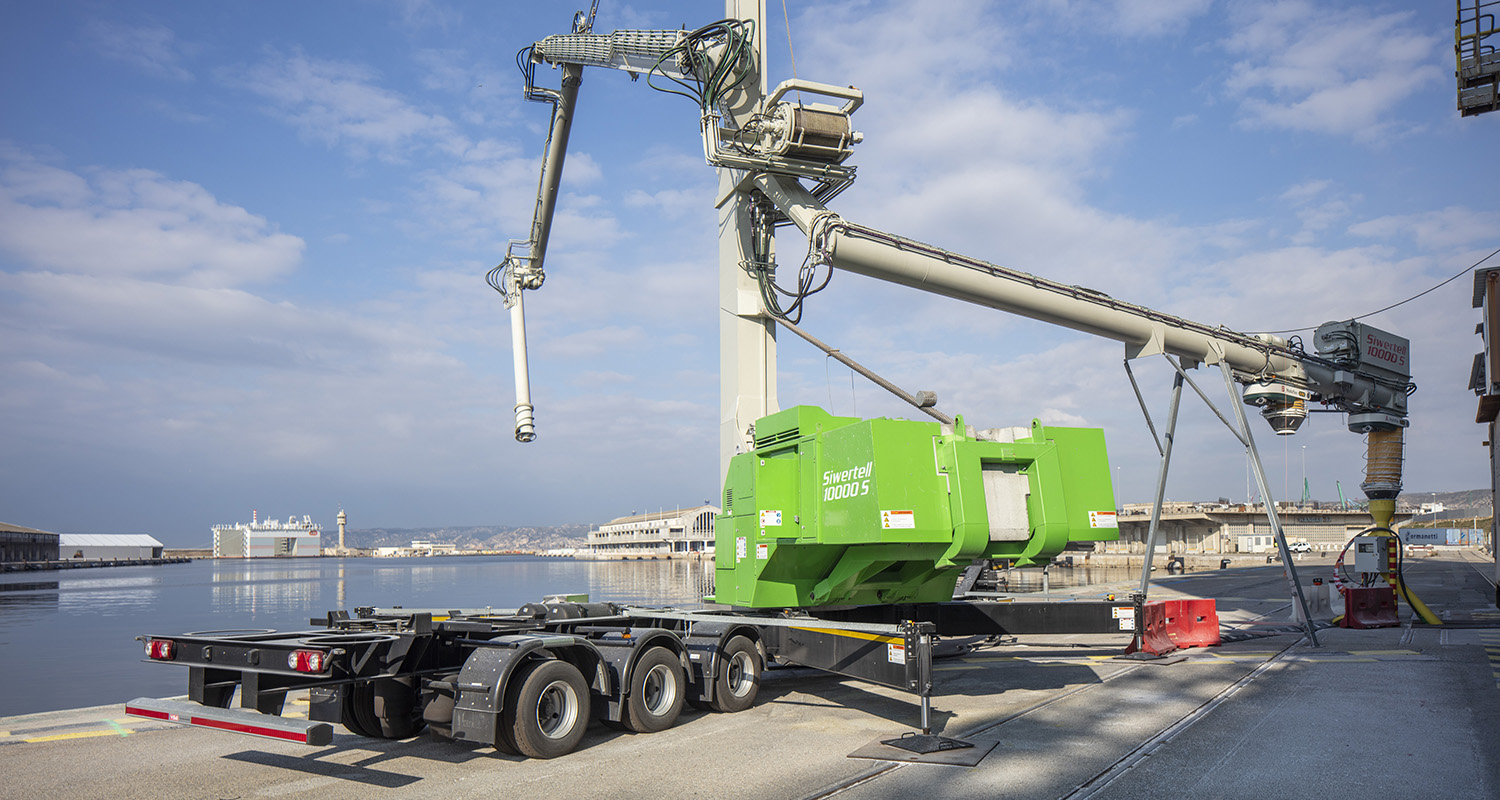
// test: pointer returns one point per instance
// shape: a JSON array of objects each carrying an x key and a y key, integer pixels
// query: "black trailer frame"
[{"x": 528, "y": 681}]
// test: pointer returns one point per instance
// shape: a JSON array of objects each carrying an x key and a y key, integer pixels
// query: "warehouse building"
[
  {"x": 679, "y": 533},
  {"x": 1222, "y": 529},
  {"x": 105, "y": 546},
  {"x": 19, "y": 543}
]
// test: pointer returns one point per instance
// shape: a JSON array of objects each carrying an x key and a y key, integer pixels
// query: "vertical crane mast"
[{"x": 747, "y": 336}]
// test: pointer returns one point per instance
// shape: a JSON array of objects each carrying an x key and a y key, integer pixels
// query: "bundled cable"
[{"x": 711, "y": 77}]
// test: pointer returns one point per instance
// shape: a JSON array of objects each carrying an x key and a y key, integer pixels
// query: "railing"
[{"x": 1476, "y": 62}]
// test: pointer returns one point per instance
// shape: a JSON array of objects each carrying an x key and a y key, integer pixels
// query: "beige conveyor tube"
[{"x": 897, "y": 260}]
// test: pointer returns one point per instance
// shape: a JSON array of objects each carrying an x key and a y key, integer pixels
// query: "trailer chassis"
[{"x": 529, "y": 681}]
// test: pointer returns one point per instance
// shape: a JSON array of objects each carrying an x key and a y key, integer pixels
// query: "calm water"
[{"x": 67, "y": 639}]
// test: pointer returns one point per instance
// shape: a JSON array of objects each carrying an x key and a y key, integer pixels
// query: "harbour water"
[{"x": 67, "y": 639}]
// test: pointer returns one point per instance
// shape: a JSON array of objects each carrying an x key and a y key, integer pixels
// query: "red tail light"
[
  {"x": 161, "y": 649},
  {"x": 307, "y": 660}
]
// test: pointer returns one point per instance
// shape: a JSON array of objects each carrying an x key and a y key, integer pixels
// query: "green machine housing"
[{"x": 843, "y": 511}]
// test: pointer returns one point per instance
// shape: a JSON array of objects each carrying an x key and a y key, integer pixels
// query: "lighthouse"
[{"x": 343, "y": 520}]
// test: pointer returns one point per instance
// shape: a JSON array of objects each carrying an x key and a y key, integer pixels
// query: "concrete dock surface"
[{"x": 1410, "y": 711}]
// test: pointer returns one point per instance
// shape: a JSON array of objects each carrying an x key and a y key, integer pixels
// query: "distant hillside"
[
  {"x": 1471, "y": 503},
  {"x": 476, "y": 537}
]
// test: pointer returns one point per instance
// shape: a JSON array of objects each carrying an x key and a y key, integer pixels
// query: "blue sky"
[{"x": 242, "y": 245}]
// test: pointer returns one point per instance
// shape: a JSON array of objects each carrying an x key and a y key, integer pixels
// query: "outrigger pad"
[{"x": 923, "y": 748}]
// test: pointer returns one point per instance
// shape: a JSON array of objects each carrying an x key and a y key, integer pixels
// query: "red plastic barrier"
[
  {"x": 1152, "y": 637},
  {"x": 1193, "y": 623},
  {"x": 1173, "y": 624},
  {"x": 1369, "y": 607}
]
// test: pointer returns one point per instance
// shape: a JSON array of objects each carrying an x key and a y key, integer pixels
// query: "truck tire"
[
  {"x": 397, "y": 708},
  {"x": 358, "y": 712},
  {"x": 547, "y": 710},
  {"x": 738, "y": 677},
  {"x": 382, "y": 709},
  {"x": 657, "y": 690}
]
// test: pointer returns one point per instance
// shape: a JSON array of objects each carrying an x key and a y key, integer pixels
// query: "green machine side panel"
[{"x": 841, "y": 511}]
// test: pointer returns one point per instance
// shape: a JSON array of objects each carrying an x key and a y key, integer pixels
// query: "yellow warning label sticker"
[{"x": 898, "y": 519}]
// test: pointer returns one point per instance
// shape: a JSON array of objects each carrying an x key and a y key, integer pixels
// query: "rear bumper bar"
[{"x": 234, "y": 720}]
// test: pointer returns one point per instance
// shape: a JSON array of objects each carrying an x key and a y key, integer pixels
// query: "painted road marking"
[
  {"x": 115, "y": 729},
  {"x": 58, "y": 737},
  {"x": 1491, "y": 642}
]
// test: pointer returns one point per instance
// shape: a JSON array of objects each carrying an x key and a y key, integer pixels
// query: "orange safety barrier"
[
  {"x": 1171, "y": 624},
  {"x": 1369, "y": 607},
  {"x": 1152, "y": 637},
  {"x": 1193, "y": 623}
]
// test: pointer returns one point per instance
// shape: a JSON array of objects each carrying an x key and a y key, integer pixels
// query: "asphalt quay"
[{"x": 1410, "y": 711}]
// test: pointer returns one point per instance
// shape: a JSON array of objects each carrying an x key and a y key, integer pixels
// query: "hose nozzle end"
[{"x": 525, "y": 425}]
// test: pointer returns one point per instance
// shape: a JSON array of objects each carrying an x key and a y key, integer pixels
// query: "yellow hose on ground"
[{"x": 1383, "y": 457}]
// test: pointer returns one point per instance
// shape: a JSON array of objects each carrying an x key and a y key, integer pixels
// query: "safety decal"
[
  {"x": 739, "y": 549},
  {"x": 897, "y": 519},
  {"x": 1102, "y": 519},
  {"x": 895, "y": 653},
  {"x": 762, "y": 552},
  {"x": 770, "y": 519}
]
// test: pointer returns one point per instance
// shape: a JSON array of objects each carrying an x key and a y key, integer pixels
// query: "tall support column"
[
  {"x": 1161, "y": 483},
  {"x": 1288, "y": 569},
  {"x": 747, "y": 337}
]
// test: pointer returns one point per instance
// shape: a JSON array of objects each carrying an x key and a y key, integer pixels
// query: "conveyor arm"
[{"x": 877, "y": 254}]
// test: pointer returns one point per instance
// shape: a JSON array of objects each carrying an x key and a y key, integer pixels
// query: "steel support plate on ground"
[{"x": 938, "y": 750}]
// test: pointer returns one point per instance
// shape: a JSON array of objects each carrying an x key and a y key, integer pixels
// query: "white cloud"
[
  {"x": 429, "y": 14},
  {"x": 133, "y": 223},
  {"x": 1319, "y": 206},
  {"x": 1147, "y": 18},
  {"x": 340, "y": 103},
  {"x": 1445, "y": 228},
  {"x": 138, "y": 319},
  {"x": 1342, "y": 72},
  {"x": 944, "y": 43},
  {"x": 673, "y": 203},
  {"x": 152, "y": 49}
]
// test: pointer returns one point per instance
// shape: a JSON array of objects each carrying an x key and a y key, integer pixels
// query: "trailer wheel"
[
  {"x": 397, "y": 708},
  {"x": 358, "y": 712},
  {"x": 548, "y": 710},
  {"x": 738, "y": 677},
  {"x": 656, "y": 691},
  {"x": 382, "y": 709}
]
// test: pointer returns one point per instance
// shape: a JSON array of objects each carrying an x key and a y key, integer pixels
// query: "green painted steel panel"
[{"x": 837, "y": 510}]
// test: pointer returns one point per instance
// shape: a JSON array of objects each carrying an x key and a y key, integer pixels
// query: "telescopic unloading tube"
[
  {"x": 531, "y": 273},
  {"x": 552, "y": 165},
  {"x": 525, "y": 425}
]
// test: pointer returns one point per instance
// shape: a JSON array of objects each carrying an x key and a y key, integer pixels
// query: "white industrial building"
[
  {"x": 1221, "y": 529},
  {"x": 678, "y": 533},
  {"x": 269, "y": 539},
  {"x": 104, "y": 546},
  {"x": 419, "y": 547}
]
